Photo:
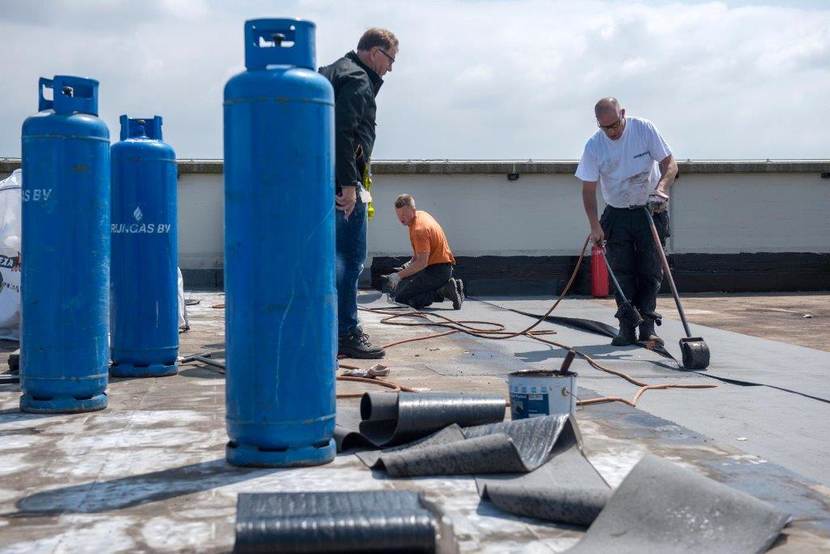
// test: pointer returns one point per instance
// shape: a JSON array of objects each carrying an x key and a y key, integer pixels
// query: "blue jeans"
[{"x": 350, "y": 255}]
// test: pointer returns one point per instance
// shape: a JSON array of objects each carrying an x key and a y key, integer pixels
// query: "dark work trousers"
[
  {"x": 421, "y": 290},
  {"x": 350, "y": 255},
  {"x": 633, "y": 255}
]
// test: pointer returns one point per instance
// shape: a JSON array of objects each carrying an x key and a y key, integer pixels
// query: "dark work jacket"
[{"x": 355, "y": 87}]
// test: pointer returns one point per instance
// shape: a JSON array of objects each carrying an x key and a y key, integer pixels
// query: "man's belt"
[{"x": 638, "y": 207}]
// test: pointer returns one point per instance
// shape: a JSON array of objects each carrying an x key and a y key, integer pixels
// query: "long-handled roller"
[{"x": 694, "y": 349}]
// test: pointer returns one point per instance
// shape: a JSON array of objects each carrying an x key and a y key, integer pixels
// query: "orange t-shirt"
[{"x": 427, "y": 236}]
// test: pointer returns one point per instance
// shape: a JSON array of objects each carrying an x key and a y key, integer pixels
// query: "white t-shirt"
[{"x": 627, "y": 168}]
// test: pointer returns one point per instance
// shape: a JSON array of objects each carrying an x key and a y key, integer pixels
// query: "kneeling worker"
[{"x": 427, "y": 277}]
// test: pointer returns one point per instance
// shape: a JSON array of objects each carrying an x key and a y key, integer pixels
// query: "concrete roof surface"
[{"x": 148, "y": 473}]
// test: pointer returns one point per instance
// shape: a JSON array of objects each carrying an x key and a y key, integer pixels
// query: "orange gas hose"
[{"x": 497, "y": 331}]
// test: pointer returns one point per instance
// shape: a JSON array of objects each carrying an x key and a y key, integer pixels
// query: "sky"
[{"x": 474, "y": 79}]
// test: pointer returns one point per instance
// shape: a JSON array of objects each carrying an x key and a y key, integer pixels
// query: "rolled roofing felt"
[
  {"x": 509, "y": 447},
  {"x": 662, "y": 507},
  {"x": 659, "y": 507},
  {"x": 394, "y": 418},
  {"x": 533, "y": 467},
  {"x": 368, "y": 521}
]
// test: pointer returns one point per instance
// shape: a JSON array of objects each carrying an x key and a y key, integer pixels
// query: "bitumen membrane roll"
[
  {"x": 662, "y": 507},
  {"x": 388, "y": 419},
  {"x": 368, "y": 521},
  {"x": 508, "y": 447},
  {"x": 536, "y": 468},
  {"x": 532, "y": 467}
]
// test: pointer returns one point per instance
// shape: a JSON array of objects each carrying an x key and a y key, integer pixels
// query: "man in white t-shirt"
[{"x": 634, "y": 167}]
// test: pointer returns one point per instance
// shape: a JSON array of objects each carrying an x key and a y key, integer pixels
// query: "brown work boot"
[{"x": 450, "y": 292}]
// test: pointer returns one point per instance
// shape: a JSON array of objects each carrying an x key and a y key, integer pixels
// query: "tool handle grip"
[{"x": 566, "y": 363}]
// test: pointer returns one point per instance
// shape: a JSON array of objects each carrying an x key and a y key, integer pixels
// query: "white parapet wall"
[
  {"x": 729, "y": 213},
  {"x": 716, "y": 208},
  {"x": 506, "y": 208},
  {"x": 484, "y": 215},
  {"x": 201, "y": 220}
]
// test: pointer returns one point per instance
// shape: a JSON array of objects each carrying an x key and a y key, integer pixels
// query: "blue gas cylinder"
[
  {"x": 280, "y": 303},
  {"x": 144, "y": 310},
  {"x": 66, "y": 251}
]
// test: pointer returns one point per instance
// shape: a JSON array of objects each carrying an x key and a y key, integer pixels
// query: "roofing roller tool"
[{"x": 694, "y": 349}]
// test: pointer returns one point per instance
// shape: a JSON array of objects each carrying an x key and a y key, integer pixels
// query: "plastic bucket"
[{"x": 537, "y": 393}]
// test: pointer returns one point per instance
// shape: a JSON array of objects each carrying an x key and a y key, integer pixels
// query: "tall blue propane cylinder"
[
  {"x": 66, "y": 251},
  {"x": 144, "y": 310},
  {"x": 280, "y": 303}
]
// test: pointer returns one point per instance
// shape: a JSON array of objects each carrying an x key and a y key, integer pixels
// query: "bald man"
[{"x": 634, "y": 166}]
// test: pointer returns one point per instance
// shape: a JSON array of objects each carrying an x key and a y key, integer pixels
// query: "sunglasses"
[
  {"x": 391, "y": 59},
  {"x": 611, "y": 126}
]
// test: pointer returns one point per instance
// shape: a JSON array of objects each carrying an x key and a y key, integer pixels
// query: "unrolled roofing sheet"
[
  {"x": 535, "y": 467},
  {"x": 663, "y": 508},
  {"x": 565, "y": 489}
]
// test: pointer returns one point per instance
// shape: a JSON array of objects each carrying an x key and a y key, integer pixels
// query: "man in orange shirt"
[{"x": 427, "y": 277}]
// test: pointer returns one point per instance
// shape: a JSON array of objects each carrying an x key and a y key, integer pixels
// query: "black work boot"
[
  {"x": 459, "y": 286},
  {"x": 648, "y": 334},
  {"x": 625, "y": 336},
  {"x": 450, "y": 292},
  {"x": 357, "y": 345}
]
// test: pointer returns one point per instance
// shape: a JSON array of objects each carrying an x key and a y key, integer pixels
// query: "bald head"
[
  {"x": 607, "y": 106},
  {"x": 610, "y": 117}
]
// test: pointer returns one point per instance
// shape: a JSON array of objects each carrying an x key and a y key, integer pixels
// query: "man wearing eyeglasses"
[
  {"x": 356, "y": 78},
  {"x": 635, "y": 168}
]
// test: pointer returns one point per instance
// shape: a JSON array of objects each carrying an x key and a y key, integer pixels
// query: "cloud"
[{"x": 474, "y": 79}]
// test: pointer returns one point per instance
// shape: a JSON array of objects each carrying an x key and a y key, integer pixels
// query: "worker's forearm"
[
  {"x": 589, "y": 201},
  {"x": 414, "y": 267},
  {"x": 668, "y": 171}
]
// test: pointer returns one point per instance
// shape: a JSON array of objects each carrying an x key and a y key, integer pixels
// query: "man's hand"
[
  {"x": 658, "y": 200},
  {"x": 345, "y": 201},
  {"x": 389, "y": 283},
  {"x": 597, "y": 235}
]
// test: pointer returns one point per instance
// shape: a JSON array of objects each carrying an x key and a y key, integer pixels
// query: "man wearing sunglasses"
[
  {"x": 356, "y": 78},
  {"x": 635, "y": 168}
]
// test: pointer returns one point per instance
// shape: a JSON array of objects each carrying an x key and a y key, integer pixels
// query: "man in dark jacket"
[{"x": 356, "y": 78}]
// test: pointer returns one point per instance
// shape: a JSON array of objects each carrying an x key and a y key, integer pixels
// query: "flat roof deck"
[{"x": 148, "y": 473}]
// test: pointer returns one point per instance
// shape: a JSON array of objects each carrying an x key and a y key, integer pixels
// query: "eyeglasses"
[
  {"x": 611, "y": 126},
  {"x": 391, "y": 59}
]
